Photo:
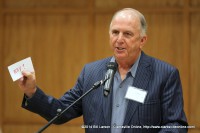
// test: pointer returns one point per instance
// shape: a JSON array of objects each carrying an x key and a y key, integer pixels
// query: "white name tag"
[
  {"x": 17, "y": 68},
  {"x": 136, "y": 94}
]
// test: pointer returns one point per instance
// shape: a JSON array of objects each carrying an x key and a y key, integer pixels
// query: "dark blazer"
[{"x": 163, "y": 105}]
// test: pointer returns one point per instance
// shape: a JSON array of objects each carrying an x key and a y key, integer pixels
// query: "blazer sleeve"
[
  {"x": 174, "y": 119},
  {"x": 46, "y": 106}
]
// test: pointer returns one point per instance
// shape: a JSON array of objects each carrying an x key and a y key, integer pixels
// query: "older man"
[{"x": 162, "y": 108}]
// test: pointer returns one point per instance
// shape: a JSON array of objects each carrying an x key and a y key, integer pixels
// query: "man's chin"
[{"x": 120, "y": 57}]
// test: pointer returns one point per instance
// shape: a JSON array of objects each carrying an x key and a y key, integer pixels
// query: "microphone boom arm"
[{"x": 60, "y": 112}]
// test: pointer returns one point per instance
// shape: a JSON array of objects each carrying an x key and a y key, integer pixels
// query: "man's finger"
[{"x": 27, "y": 74}]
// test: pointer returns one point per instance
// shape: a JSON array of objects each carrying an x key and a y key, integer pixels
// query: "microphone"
[{"x": 111, "y": 69}]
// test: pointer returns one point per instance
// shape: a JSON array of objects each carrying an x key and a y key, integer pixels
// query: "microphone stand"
[{"x": 95, "y": 86}]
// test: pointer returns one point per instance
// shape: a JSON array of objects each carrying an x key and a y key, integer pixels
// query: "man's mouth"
[{"x": 119, "y": 48}]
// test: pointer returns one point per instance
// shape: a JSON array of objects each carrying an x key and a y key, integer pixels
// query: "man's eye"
[
  {"x": 115, "y": 32},
  {"x": 127, "y": 34}
]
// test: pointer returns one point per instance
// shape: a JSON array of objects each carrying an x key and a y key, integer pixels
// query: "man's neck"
[{"x": 125, "y": 65}]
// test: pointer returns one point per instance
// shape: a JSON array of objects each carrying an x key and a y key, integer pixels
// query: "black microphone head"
[
  {"x": 112, "y": 65},
  {"x": 111, "y": 69}
]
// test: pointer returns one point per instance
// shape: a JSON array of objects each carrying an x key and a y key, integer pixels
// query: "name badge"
[{"x": 136, "y": 94}]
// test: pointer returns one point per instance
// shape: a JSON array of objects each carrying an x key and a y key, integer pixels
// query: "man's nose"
[{"x": 120, "y": 38}]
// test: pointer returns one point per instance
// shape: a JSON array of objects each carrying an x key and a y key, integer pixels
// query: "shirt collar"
[{"x": 133, "y": 69}]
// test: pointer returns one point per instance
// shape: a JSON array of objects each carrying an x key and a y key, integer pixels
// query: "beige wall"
[
  {"x": 61, "y": 36},
  {"x": 1, "y": 66}
]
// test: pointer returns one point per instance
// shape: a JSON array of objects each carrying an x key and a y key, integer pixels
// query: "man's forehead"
[
  {"x": 126, "y": 15},
  {"x": 129, "y": 17}
]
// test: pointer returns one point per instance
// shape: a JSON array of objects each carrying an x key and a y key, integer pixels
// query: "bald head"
[{"x": 133, "y": 14}]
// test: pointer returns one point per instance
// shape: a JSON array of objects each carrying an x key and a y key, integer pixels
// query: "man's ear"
[{"x": 143, "y": 41}]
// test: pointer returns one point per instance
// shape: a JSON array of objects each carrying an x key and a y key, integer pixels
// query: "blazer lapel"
[{"x": 141, "y": 81}]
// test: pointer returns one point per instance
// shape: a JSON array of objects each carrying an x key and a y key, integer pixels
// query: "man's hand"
[{"x": 28, "y": 83}]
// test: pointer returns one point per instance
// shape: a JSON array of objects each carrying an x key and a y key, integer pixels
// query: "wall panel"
[
  {"x": 1, "y": 68},
  {"x": 136, "y": 3},
  {"x": 195, "y": 70},
  {"x": 196, "y": 130},
  {"x": 195, "y": 3},
  {"x": 162, "y": 37},
  {"x": 101, "y": 44},
  {"x": 45, "y": 3},
  {"x": 51, "y": 41}
]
